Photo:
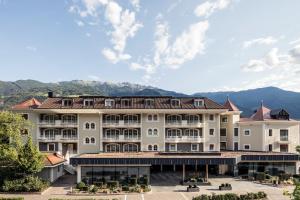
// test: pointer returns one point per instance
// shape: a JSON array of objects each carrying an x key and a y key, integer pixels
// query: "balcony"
[
  {"x": 184, "y": 123},
  {"x": 122, "y": 138},
  {"x": 58, "y": 123},
  {"x": 184, "y": 139},
  {"x": 59, "y": 138},
  {"x": 121, "y": 123}
]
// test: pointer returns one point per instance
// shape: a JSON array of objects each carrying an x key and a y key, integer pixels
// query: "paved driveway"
[{"x": 59, "y": 189}]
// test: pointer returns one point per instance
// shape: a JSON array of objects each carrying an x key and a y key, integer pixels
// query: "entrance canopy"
[{"x": 159, "y": 158}]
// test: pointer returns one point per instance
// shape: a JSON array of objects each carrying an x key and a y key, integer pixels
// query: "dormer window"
[
  {"x": 88, "y": 102},
  {"x": 198, "y": 103},
  {"x": 67, "y": 102},
  {"x": 175, "y": 102},
  {"x": 125, "y": 102},
  {"x": 109, "y": 102},
  {"x": 149, "y": 102}
]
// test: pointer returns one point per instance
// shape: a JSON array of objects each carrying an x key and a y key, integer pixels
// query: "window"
[
  {"x": 112, "y": 147},
  {"x": 149, "y": 147},
  {"x": 224, "y": 119},
  {"x": 247, "y": 147},
  {"x": 172, "y": 147},
  {"x": 58, "y": 168},
  {"x": 87, "y": 126},
  {"x": 173, "y": 133},
  {"x": 155, "y": 147},
  {"x": 109, "y": 102},
  {"x": 130, "y": 147},
  {"x": 236, "y": 132},
  {"x": 270, "y": 147},
  {"x": 88, "y": 102},
  {"x": 284, "y": 135},
  {"x": 175, "y": 102},
  {"x": 155, "y": 132},
  {"x": 67, "y": 102},
  {"x": 125, "y": 102},
  {"x": 284, "y": 148},
  {"x": 198, "y": 103},
  {"x": 194, "y": 147},
  {"x": 25, "y": 116},
  {"x": 87, "y": 140},
  {"x": 211, "y": 147},
  {"x": 149, "y": 132},
  {"x": 223, "y": 132},
  {"x": 236, "y": 146},
  {"x": 93, "y": 140},
  {"x": 149, "y": 102},
  {"x": 93, "y": 126},
  {"x": 247, "y": 132},
  {"x": 223, "y": 145},
  {"x": 149, "y": 117},
  {"x": 270, "y": 132},
  {"x": 51, "y": 147},
  {"x": 211, "y": 117},
  {"x": 155, "y": 118},
  {"x": 152, "y": 118},
  {"x": 211, "y": 132}
]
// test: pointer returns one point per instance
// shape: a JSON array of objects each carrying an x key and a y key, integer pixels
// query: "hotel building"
[{"x": 116, "y": 137}]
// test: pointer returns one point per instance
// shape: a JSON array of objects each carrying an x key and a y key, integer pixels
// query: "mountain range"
[{"x": 247, "y": 100}]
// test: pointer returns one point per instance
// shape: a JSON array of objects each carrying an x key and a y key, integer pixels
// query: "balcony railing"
[
  {"x": 114, "y": 123},
  {"x": 58, "y": 123},
  {"x": 183, "y": 123},
  {"x": 183, "y": 138},
  {"x": 121, "y": 138},
  {"x": 58, "y": 138}
]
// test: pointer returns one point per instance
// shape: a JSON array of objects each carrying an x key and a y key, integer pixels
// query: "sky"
[{"x": 182, "y": 45}]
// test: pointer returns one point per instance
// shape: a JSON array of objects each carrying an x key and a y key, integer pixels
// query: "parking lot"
[{"x": 176, "y": 192}]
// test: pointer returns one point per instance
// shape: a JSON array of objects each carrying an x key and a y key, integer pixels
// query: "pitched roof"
[
  {"x": 52, "y": 159},
  {"x": 136, "y": 103},
  {"x": 230, "y": 106},
  {"x": 28, "y": 104},
  {"x": 261, "y": 114}
]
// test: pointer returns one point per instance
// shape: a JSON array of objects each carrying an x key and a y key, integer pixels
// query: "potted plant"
[{"x": 225, "y": 186}]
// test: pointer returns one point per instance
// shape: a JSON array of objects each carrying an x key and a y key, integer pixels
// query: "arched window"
[
  {"x": 149, "y": 147},
  {"x": 155, "y": 132},
  {"x": 87, "y": 140},
  {"x": 149, "y": 117},
  {"x": 87, "y": 125},
  {"x": 92, "y": 140},
  {"x": 112, "y": 148},
  {"x": 68, "y": 119},
  {"x": 155, "y": 117},
  {"x": 172, "y": 133},
  {"x": 155, "y": 148},
  {"x": 93, "y": 126},
  {"x": 150, "y": 131}
]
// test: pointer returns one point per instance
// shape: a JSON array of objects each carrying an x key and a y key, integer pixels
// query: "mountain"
[{"x": 247, "y": 100}]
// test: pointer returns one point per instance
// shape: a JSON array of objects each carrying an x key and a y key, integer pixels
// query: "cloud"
[
  {"x": 31, "y": 48},
  {"x": 209, "y": 7},
  {"x": 261, "y": 41},
  {"x": 94, "y": 78},
  {"x": 295, "y": 54},
  {"x": 297, "y": 41},
  {"x": 80, "y": 23},
  {"x": 123, "y": 25},
  {"x": 135, "y": 4},
  {"x": 270, "y": 61}
]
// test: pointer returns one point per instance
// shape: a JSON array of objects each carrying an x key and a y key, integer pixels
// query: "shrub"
[
  {"x": 80, "y": 185},
  {"x": 113, "y": 184},
  {"x": 260, "y": 176},
  {"x": 27, "y": 184},
  {"x": 231, "y": 196},
  {"x": 93, "y": 189},
  {"x": 133, "y": 181},
  {"x": 125, "y": 188},
  {"x": 11, "y": 198}
]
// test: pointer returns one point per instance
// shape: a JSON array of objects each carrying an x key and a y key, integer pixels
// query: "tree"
[
  {"x": 30, "y": 159},
  {"x": 298, "y": 148}
]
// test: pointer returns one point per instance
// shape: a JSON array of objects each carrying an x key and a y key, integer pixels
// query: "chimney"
[{"x": 50, "y": 94}]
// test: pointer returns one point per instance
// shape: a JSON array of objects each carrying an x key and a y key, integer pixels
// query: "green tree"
[
  {"x": 298, "y": 148},
  {"x": 296, "y": 192},
  {"x": 30, "y": 159}
]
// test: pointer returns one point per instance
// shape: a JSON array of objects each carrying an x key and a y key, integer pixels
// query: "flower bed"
[{"x": 232, "y": 196}]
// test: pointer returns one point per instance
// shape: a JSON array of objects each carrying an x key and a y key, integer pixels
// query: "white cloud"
[
  {"x": 295, "y": 54},
  {"x": 135, "y": 4},
  {"x": 209, "y": 7},
  {"x": 261, "y": 41},
  {"x": 297, "y": 41},
  {"x": 88, "y": 35},
  {"x": 31, "y": 48},
  {"x": 270, "y": 61},
  {"x": 123, "y": 25},
  {"x": 79, "y": 23},
  {"x": 94, "y": 78}
]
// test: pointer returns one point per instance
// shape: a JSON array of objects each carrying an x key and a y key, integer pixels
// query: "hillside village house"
[{"x": 117, "y": 137}]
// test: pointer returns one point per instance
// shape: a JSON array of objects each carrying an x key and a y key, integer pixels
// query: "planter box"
[
  {"x": 225, "y": 188},
  {"x": 197, "y": 189}
]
